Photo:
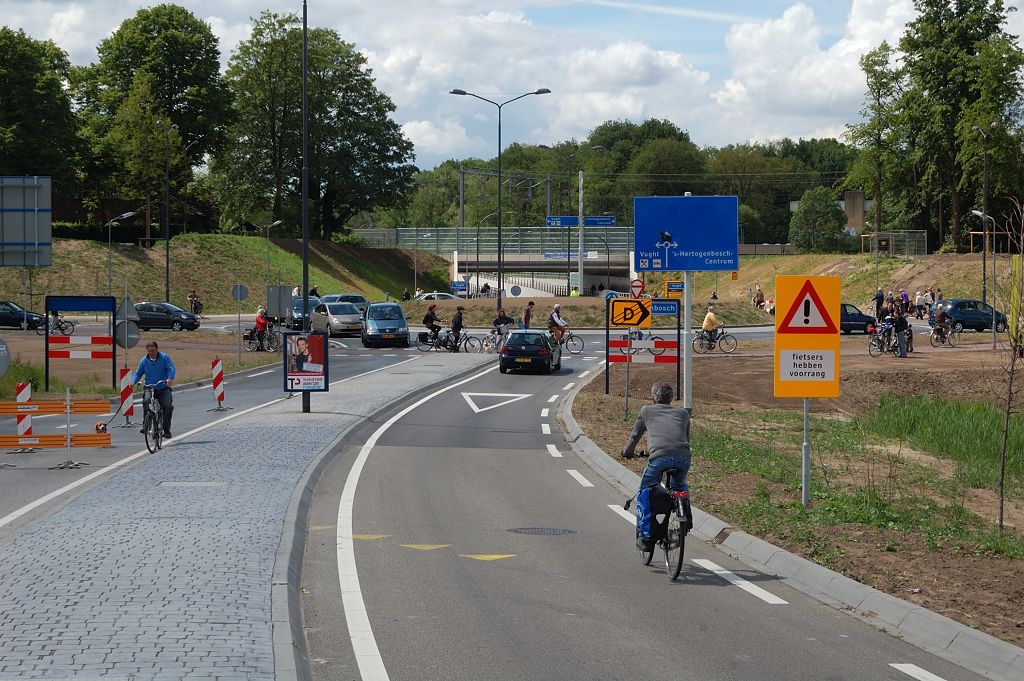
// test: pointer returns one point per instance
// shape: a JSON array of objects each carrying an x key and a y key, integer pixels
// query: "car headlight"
[
  {"x": 403, "y": 329},
  {"x": 184, "y": 316}
]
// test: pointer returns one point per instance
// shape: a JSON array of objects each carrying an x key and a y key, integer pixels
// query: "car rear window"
[
  {"x": 535, "y": 339},
  {"x": 351, "y": 299}
]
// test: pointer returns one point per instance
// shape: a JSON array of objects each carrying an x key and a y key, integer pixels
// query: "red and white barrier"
[
  {"x": 670, "y": 348},
  {"x": 80, "y": 340},
  {"x": 23, "y": 394},
  {"x": 217, "y": 369},
  {"x": 643, "y": 358},
  {"x": 127, "y": 407}
]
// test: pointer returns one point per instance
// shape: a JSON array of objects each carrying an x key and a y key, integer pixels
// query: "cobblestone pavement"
[{"x": 164, "y": 570}]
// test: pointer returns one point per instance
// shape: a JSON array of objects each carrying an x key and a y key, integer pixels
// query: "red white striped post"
[
  {"x": 217, "y": 369},
  {"x": 23, "y": 393},
  {"x": 127, "y": 408}
]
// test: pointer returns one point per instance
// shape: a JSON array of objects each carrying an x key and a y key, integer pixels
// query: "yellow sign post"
[
  {"x": 630, "y": 313},
  {"x": 807, "y": 348}
]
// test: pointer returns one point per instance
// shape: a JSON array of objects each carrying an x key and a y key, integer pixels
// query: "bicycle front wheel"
[
  {"x": 153, "y": 433},
  {"x": 673, "y": 544},
  {"x": 953, "y": 338},
  {"x": 727, "y": 343},
  {"x": 472, "y": 344},
  {"x": 656, "y": 351},
  {"x": 875, "y": 346},
  {"x": 66, "y": 328},
  {"x": 274, "y": 341},
  {"x": 574, "y": 344}
]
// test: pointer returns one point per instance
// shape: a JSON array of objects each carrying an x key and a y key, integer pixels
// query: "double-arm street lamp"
[
  {"x": 169, "y": 128},
  {"x": 273, "y": 224},
  {"x": 986, "y": 218},
  {"x": 499, "y": 105},
  {"x": 110, "y": 269}
]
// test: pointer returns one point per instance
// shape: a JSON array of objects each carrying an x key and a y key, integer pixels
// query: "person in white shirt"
[{"x": 556, "y": 325}]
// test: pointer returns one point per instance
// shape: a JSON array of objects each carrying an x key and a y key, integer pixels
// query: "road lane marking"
[
  {"x": 425, "y": 547},
  {"x": 752, "y": 589},
  {"x": 623, "y": 512},
  {"x": 512, "y": 397},
  {"x": 579, "y": 478},
  {"x": 14, "y": 515},
  {"x": 484, "y": 556},
  {"x": 568, "y": 386},
  {"x": 545, "y": 429},
  {"x": 554, "y": 398},
  {"x": 364, "y": 644},
  {"x": 584, "y": 374},
  {"x": 553, "y": 451},
  {"x": 589, "y": 359},
  {"x": 544, "y": 412},
  {"x": 262, "y": 373},
  {"x": 359, "y": 536},
  {"x": 915, "y": 671}
]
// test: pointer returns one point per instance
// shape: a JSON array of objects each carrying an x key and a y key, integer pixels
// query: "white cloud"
[{"x": 449, "y": 139}]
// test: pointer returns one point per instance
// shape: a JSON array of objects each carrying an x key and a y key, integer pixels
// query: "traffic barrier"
[
  {"x": 67, "y": 439},
  {"x": 217, "y": 370},
  {"x": 127, "y": 407},
  {"x": 643, "y": 358},
  {"x": 670, "y": 356},
  {"x": 23, "y": 394}
]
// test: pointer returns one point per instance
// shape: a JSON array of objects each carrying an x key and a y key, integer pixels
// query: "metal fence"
[
  {"x": 515, "y": 240},
  {"x": 910, "y": 242}
]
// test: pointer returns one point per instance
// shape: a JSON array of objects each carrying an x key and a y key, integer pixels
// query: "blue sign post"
[
  {"x": 686, "y": 234},
  {"x": 665, "y": 306}
]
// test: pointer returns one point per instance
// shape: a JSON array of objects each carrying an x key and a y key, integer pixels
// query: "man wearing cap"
[
  {"x": 457, "y": 328},
  {"x": 159, "y": 371}
]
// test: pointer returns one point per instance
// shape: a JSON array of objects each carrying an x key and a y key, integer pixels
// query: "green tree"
[
  {"x": 818, "y": 222},
  {"x": 37, "y": 127},
  {"x": 751, "y": 225},
  {"x": 666, "y": 167},
  {"x": 359, "y": 158}
]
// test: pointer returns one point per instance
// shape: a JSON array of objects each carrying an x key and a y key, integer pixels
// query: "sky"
[{"x": 728, "y": 71}]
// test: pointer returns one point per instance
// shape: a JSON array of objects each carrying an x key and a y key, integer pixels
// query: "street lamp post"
[
  {"x": 167, "y": 206},
  {"x": 540, "y": 91},
  {"x": 273, "y": 224},
  {"x": 608, "y": 262},
  {"x": 110, "y": 270},
  {"x": 986, "y": 217},
  {"x": 984, "y": 209}
]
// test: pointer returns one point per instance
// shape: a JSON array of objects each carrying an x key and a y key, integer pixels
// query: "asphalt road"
[{"x": 461, "y": 540}]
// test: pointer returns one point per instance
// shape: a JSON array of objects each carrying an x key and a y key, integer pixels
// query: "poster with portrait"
[{"x": 305, "y": 362}]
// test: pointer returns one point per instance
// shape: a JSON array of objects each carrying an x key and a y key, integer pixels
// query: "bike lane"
[
  {"x": 166, "y": 569},
  {"x": 486, "y": 549}
]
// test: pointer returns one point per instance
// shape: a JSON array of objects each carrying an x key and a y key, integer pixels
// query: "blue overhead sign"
[
  {"x": 460, "y": 286},
  {"x": 686, "y": 234},
  {"x": 664, "y": 307},
  {"x": 574, "y": 221}
]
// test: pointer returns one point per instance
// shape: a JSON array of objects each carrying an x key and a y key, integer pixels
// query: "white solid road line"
[
  {"x": 589, "y": 359},
  {"x": 623, "y": 512},
  {"x": 568, "y": 386},
  {"x": 14, "y": 515},
  {"x": 544, "y": 412},
  {"x": 545, "y": 429},
  {"x": 262, "y": 373},
  {"x": 584, "y": 374},
  {"x": 579, "y": 478},
  {"x": 752, "y": 589},
  {"x": 364, "y": 644},
  {"x": 916, "y": 672},
  {"x": 553, "y": 398},
  {"x": 553, "y": 451}
]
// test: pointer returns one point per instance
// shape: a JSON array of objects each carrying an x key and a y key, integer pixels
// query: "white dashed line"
[
  {"x": 751, "y": 589},
  {"x": 553, "y": 398},
  {"x": 623, "y": 512},
  {"x": 544, "y": 412},
  {"x": 589, "y": 359},
  {"x": 553, "y": 451},
  {"x": 584, "y": 374},
  {"x": 579, "y": 478},
  {"x": 64, "y": 425},
  {"x": 262, "y": 373},
  {"x": 569, "y": 386},
  {"x": 916, "y": 672},
  {"x": 545, "y": 428}
]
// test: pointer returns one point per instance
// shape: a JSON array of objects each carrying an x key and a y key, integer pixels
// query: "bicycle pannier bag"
[{"x": 653, "y": 505}]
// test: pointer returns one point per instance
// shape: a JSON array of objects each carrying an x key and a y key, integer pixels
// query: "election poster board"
[{"x": 306, "y": 366}]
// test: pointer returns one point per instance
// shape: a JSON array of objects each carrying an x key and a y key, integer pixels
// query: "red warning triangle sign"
[{"x": 808, "y": 314}]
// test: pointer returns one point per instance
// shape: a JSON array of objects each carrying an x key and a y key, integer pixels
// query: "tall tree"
[
  {"x": 818, "y": 222},
  {"x": 37, "y": 127},
  {"x": 359, "y": 158}
]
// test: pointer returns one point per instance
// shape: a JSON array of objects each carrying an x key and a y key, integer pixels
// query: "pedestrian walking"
[
  {"x": 900, "y": 328},
  {"x": 527, "y": 315}
]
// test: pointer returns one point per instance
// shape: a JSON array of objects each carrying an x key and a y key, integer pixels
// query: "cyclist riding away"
[
  {"x": 432, "y": 321},
  {"x": 261, "y": 327},
  {"x": 668, "y": 438},
  {"x": 711, "y": 324},
  {"x": 556, "y": 325},
  {"x": 158, "y": 368}
]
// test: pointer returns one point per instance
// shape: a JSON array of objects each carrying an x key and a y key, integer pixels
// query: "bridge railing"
[{"x": 516, "y": 240}]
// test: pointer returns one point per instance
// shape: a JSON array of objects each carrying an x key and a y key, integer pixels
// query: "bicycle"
[
  {"x": 153, "y": 418},
  {"x": 197, "y": 309},
  {"x": 638, "y": 335},
  {"x": 678, "y": 525},
  {"x": 702, "y": 341},
  {"x": 940, "y": 336},
  {"x": 272, "y": 339},
  {"x": 471, "y": 343},
  {"x": 57, "y": 327},
  {"x": 571, "y": 342},
  {"x": 428, "y": 340},
  {"x": 493, "y": 340}
]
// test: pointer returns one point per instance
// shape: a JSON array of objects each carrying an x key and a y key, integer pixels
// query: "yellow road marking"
[
  {"x": 370, "y": 536},
  {"x": 487, "y": 556},
  {"x": 425, "y": 547}
]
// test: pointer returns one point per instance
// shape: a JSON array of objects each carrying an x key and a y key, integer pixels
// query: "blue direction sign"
[
  {"x": 459, "y": 286},
  {"x": 665, "y": 307},
  {"x": 673, "y": 286},
  {"x": 574, "y": 221},
  {"x": 686, "y": 233}
]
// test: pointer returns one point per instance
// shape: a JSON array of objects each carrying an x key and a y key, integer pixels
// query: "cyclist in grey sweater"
[{"x": 668, "y": 437}]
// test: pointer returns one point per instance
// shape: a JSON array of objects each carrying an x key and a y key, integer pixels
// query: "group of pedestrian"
[{"x": 886, "y": 304}]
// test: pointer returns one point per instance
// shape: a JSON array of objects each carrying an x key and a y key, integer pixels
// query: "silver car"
[{"x": 337, "y": 319}]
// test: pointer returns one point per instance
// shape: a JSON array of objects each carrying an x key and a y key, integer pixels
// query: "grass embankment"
[{"x": 213, "y": 263}]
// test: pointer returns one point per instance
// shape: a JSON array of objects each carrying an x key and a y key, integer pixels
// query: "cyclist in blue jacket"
[{"x": 158, "y": 368}]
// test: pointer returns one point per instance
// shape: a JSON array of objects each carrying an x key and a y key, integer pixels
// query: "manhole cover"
[{"x": 545, "y": 531}]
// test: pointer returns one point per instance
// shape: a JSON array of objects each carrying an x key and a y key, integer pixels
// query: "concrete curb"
[
  {"x": 941, "y": 636},
  {"x": 291, "y": 656}
]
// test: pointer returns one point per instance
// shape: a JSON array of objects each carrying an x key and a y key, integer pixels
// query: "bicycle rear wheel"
[
  {"x": 875, "y": 346},
  {"x": 153, "y": 432},
  {"x": 424, "y": 344},
  {"x": 700, "y": 344},
  {"x": 933, "y": 338},
  {"x": 472, "y": 344},
  {"x": 656, "y": 351},
  {"x": 574, "y": 344},
  {"x": 66, "y": 328},
  {"x": 727, "y": 343},
  {"x": 250, "y": 343},
  {"x": 673, "y": 545}
]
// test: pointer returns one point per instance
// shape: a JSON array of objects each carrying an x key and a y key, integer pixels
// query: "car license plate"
[
  {"x": 389, "y": 335},
  {"x": 523, "y": 359}
]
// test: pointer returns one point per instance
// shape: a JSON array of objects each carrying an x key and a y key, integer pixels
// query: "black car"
[
  {"x": 14, "y": 316},
  {"x": 969, "y": 314},
  {"x": 529, "y": 348},
  {"x": 851, "y": 319},
  {"x": 165, "y": 316},
  {"x": 296, "y": 319}
]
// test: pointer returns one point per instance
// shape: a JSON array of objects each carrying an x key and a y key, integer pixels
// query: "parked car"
[
  {"x": 969, "y": 314},
  {"x": 529, "y": 349},
  {"x": 852, "y": 319},
  {"x": 436, "y": 295},
  {"x": 14, "y": 316},
  {"x": 165, "y": 316},
  {"x": 296, "y": 319},
  {"x": 385, "y": 324},
  {"x": 356, "y": 299},
  {"x": 336, "y": 318}
]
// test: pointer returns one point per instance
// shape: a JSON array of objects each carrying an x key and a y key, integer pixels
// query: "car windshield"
[
  {"x": 352, "y": 299},
  {"x": 388, "y": 312},
  {"x": 172, "y": 308},
  {"x": 342, "y": 308},
  {"x": 14, "y": 307}
]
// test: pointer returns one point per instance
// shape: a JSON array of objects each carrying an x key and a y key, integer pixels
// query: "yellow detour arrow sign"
[
  {"x": 807, "y": 336},
  {"x": 487, "y": 556},
  {"x": 626, "y": 313},
  {"x": 425, "y": 547}
]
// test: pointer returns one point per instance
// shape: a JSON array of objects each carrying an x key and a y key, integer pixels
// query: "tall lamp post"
[
  {"x": 168, "y": 129},
  {"x": 110, "y": 267},
  {"x": 986, "y": 217},
  {"x": 273, "y": 224},
  {"x": 984, "y": 209},
  {"x": 499, "y": 105}
]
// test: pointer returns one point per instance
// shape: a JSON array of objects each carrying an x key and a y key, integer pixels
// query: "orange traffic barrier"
[{"x": 66, "y": 439}]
